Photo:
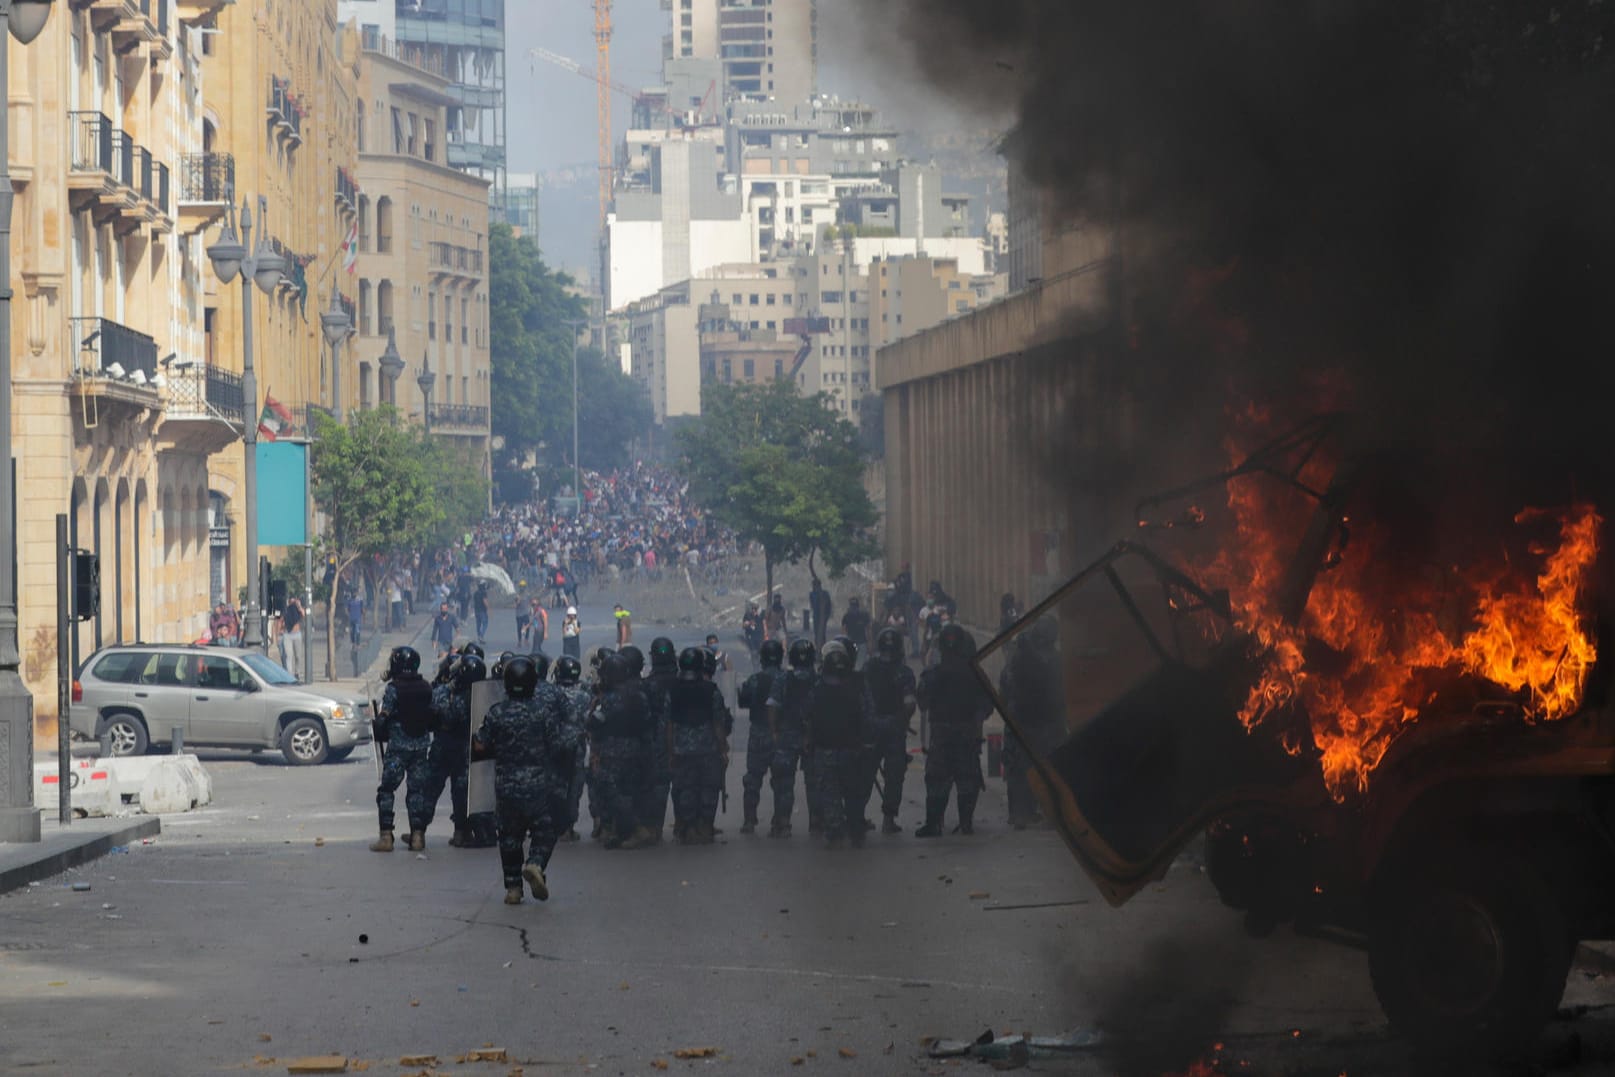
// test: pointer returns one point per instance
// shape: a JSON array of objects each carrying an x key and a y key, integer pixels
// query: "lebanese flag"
[
  {"x": 275, "y": 420},
  {"x": 350, "y": 249}
]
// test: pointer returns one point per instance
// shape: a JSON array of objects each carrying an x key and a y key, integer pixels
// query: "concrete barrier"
[
  {"x": 90, "y": 783},
  {"x": 153, "y": 784},
  {"x": 175, "y": 783}
]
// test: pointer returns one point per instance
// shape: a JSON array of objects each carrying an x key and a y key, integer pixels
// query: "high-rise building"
[
  {"x": 768, "y": 48},
  {"x": 462, "y": 41}
]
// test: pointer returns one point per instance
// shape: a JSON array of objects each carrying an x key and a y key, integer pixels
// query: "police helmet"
[
  {"x": 541, "y": 662},
  {"x": 498, "y": 669},
  {"x": 568, "y": 671},
  {"x": 614, "y": 670},
  {"x": 852, "y": 648},
  {"x": 663, "y": 655},
  {"x": 476, "y": 649},
  {"x": 599, "y": 657},
  {"x": 802, "y": 654},
  {"x": 692, "y": 660},
  {"x": 403, "y": 660},
  {"x": 520, "y": 677},
  {"x": 955, "y": 642},
  {"x": 636, "y": 659},
  {"x": 468, "y": 671},
  {"x": 771, "y": 653},
  {"x": 889, "y": 645},
  {"x": 836, "y": 658},
  {"x": 709, "y": 661},
  {"x": 445, "y": 668}
]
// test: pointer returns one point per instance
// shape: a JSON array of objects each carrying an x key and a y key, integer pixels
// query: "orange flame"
[{"x": 1359, "y": 664}]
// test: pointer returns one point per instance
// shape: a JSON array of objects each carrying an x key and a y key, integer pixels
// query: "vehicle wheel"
[
  {"x": 337, "y": 755},
  {"x": 1468, "y": 952},
  {"x": 126, "y": 734},
  {"x": 303, "y": 742}
]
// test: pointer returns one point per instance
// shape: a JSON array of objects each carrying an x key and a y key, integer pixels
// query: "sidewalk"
[{"x": 66, "y": 847}]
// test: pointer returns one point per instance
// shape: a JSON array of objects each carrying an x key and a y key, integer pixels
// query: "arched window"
[
  {"x": 364, "y": 224},
  {"x": 384, "y": 307},
  {"x": 384, "y": 225},
  {"x": 364, "y": 308}
]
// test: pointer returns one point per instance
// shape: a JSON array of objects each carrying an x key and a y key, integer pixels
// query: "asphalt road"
[{"x": 262, "y": 929}]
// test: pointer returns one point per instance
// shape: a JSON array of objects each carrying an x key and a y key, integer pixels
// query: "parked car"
[{"x": 134, "y": 696}]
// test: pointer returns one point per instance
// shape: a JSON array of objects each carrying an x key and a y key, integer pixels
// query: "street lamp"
[
  {"x": 264, "y": 268},
  {"x": 391, "y": 364},
  {"x": 335, "y": 324},
  {"x": 426, "y": 380},
  {"x": 576, "y": 324},
  {"x": 19, "y": 819}
]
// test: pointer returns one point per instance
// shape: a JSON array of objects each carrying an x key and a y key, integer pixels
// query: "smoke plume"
[{"x": 1401, "y": 207}]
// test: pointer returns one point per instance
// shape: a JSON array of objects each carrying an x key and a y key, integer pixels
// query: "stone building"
[{"x": 423, "y": 246}]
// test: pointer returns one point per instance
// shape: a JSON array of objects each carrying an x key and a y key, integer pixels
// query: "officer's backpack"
[{"x": 413, "y": 706}]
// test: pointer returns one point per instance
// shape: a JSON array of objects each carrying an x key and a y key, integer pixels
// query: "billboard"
[{"x": 282, "y": 493}]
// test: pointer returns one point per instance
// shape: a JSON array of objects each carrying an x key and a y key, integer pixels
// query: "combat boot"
[
  {"x": 641, "y": 838},
  {"x": 535, "y": 879},
  {"x": 417, "y": 841},
  {"x": 513, "y": 895},
  {"x": 383, "y": 844},
  {"x": 778, "y": 829},
  {"x": 889, "y": 825},
  {"x": 570, "y": 835},
  {"x": 836, "y": 841},
  {"x": 460, "y": 837}
]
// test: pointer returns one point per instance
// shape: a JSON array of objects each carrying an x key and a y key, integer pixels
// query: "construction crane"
[
  {"x": 649, "y": 102},
  {"x": 602, "y": 48}
]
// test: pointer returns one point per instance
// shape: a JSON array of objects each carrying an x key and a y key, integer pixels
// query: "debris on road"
[
  {"x": 696, "y": 1052},
  {"x": 487, "y": 1054},
  {"x": 979, "y": 895},
  {"x": 418, "y": 1060},
  {"x": 1014, "y": 1049},
  {"x": 264, "y": 1037},
  {"x": 847, "y": 1052},
  {"x": 79, "y": 888},
  {"x": 319, "y": 1064}
]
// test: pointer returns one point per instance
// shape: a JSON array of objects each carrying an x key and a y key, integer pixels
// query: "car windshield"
[{"x": 271, "y": 671}]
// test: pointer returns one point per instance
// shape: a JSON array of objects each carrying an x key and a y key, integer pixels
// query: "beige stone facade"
[
  {"x": 423, "y": 242},
  {"x": 110, "y": 423},
  {"x": 281, "y": 108}
]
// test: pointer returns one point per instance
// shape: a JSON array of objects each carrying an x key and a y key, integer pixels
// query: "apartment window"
[
  {"x": 398, "y": 130},
  {"x": 779, "y": 368},
  {"x": 431, "y": 140},
  {"x": 737, "y": 299},
  {"x": 772, "y": 298},
  {"x": 728, "y": 373},
  {"x": 749, "y": 368},
  {"x": 771, "y": 325},
  {"x": 753, "y": 299}
]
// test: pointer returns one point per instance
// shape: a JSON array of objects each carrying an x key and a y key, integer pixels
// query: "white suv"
[{"x": 136, "y": 695}]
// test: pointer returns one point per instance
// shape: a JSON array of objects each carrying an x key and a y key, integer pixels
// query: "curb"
[{"x": 69, "y": 848}]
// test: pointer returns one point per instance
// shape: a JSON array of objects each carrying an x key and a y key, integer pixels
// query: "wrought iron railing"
[
  {"x": 472, "y": 415},
  {"x": 92, "y": 142},
  {"x": 207, "y": 177},
  {"x": 102, "y": 342},
  {"x": 201, "y": 390}
]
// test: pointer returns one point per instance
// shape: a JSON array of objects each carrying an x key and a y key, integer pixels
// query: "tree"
[
  {"x": 781, "y": 470},
  {"x": 380, "y": 485},
  {"x": 531, "y": 355}
]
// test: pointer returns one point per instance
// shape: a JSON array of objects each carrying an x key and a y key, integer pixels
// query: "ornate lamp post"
[
  {"x": 264, "y": 268},
  {"x": 335, "y": 324},
  {"x": 19, "y": 819},
  {"x": 391, "y": 364},
  {"x": 426, "y": 380}
]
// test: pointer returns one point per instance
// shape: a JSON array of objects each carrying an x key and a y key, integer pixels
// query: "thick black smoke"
[{"x": 1405, "y": 207}]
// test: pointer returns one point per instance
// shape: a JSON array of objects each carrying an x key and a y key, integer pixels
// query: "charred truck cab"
[{"x": 1418, "y": 763}]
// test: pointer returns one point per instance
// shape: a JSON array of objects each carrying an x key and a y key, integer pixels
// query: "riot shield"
[{"x": 479, "y": 776}]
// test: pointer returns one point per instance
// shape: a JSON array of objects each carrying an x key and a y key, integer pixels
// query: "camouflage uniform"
[
  {"x": 839, "y": 715},
  {"x": 450, "y": 754},
  {"x": 578, "y": 699},
  {"x": 696, "y": 714},
  {"x": 534, "y": 747},
  {"x": 891, "y": 690},
  {"x": 759, "y": 739},
  {"x": 956, "y": 705},
  {"x": 788, "y": 694},
  {"x": 619, "y": 727},
  {"x": 653, "y": 796},
  {"x": 406, "y": 757}
]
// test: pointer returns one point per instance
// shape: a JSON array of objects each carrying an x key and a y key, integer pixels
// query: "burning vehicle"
[{"x": 1413, "y": 753}]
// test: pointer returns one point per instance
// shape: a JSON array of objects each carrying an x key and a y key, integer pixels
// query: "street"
[{"x": 260, "y": 930}]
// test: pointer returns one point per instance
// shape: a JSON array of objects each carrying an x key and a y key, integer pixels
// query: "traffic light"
[
  {"x": 277, "y": 598},
  {"x": 330, "y": 571},
  {"x": 86, "y": 585}
]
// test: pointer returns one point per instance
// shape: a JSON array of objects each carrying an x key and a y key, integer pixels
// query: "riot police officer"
[
  {"x": 448, "y": 759},
  {"x": 955, "y": 705},
  {"x": 403, "y": 728},
  {"x": 620, "y": 724},
  {"x": 759, "y": 738},
  {"x": 568, "y": 675},
  {"x": 787, "y": 723},
  {"x": 698, "y": 749},
  {"x": 838, "y": 713},
  {"x": 659, "y": 783},
  {"x": 533, "y": 747},
  {"x": 891, "y": 691}
]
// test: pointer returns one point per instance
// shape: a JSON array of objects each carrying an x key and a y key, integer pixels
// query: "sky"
[{"x": 551, "y": 111}]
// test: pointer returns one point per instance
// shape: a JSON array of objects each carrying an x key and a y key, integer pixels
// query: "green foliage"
[
  {"x": 531, "y": 355},
  {"x": 782, "y": 470},
  {"x": 379, "y": 483}
]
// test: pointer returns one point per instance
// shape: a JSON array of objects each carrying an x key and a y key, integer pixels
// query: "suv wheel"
[
  {"x": 303, "y": 742},
  {"x": 126, "y": 735}
]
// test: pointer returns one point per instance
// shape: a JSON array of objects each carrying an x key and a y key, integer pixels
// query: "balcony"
[
  {"x": 206, "y": 408},
  {"x": 347, "y": 192},
  {"x": 459, "y": 418},
  {"x": 207, "y": 183},
  {"x": 132, "y": 25},
  {"x": 312, "y": 414},
  {"x": 115, "y": 179},
  {"x": 449, "y": 260},
  {"x": 199, "y": 12},
  {"x": 285, "y": 112},
  {"x": 115, "y": 370}
]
